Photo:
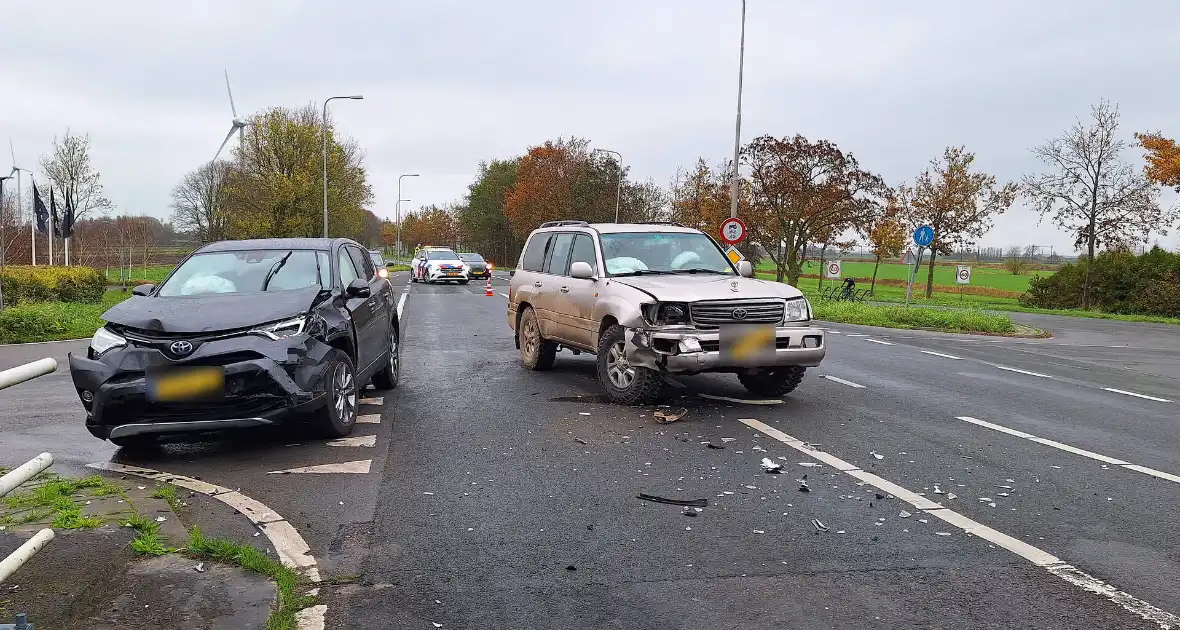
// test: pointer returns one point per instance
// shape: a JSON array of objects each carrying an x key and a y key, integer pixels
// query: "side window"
[
  {"x": 533, "y": 258},
  {"x": 584, "y": 252},
  {"x": 347, "y": 269},
  {"x": 557, "y": 262},
  {"x": 325, "y": 265},
  {"x": 364, "y": 264}
]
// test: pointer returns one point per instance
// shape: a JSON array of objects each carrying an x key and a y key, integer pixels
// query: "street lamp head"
[{"x": 356, "y": 97}]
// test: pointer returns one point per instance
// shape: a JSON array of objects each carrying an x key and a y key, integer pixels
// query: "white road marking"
[
  {"x": 367, "y": 441},
  {"x": 743, "y": 401},
  {"x": 857, "y": 335},
  {"x": 504, "y": 294},
  {"x": 376, "y": 400},
  {"x": 1036, "y": 556},
  {"x": 842, "y": 381},
  {"x": 292, "y": 549},
  {"x": 401, "y": 304},
  {"x": 1075, "y": 450},
  {"x": 1012, "y": 369},
  {"x": 945, "y": 356},
  {"x": 834, "y": 332},
  {"x": 1126, "y": 393},
  {"x": 369, "y": 418},
  {"x": 358, "y": 467},
  {"x": 884, "y": 343}
]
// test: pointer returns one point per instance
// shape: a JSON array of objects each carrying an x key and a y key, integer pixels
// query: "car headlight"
[
  {"x": 104, "y": 341},
  {"x": 281, "y": 330},
  {"x": 798, "y": 310},
  {"x": 666, "y": 313}
]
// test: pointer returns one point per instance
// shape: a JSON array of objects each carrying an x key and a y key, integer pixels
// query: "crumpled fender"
[{"x": 637, "y": 348}]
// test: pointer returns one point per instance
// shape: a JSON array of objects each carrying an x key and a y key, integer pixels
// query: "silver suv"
[{"x": 656, "y": 298}]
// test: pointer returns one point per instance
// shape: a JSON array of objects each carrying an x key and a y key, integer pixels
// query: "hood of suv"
[
  {"x": 695, "y": 287},
  {"x": 210, "y": 313}
]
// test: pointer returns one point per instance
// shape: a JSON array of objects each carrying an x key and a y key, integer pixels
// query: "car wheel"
[
  {"x": 776, "y": 382},
  {"x": 625, "y": 383},
  {"x": 338, "y": 417},
  {"x": 388, "y": 377},
  {"x": 536, "y": 352}
]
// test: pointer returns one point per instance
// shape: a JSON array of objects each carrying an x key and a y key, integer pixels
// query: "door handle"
[
  {"x": 565, "y": 289},
  {"x": 537, "y": 284}
]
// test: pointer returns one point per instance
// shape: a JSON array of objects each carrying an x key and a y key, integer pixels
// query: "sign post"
[
  {"x": 923, "y": 237},
  {"x": 962, "y": 276}
]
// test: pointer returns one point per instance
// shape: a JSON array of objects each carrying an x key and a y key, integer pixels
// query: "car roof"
[
  {"x": 323, "y": 244},
  {"x": 618, "y": 228}
]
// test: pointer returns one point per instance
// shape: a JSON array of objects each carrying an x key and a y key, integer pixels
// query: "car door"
[
  {"x": 376, "y": 333},
  {"x": 553, "y": 304},
  {"x": 582, "y": 294},
  {"x": 359, "y": 308}
]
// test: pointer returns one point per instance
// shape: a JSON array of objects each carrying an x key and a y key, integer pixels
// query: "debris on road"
[
  {"x": 759, "y": 531},
  {"x": 580, "y": 440},
  {"x": 803, "y": 487},
  {"x": 986, "y": 499},
  {"x": 942, "y": 533},
  {"x": 686, "y": 502},
  {"x": 665, "y": 417},
  {"x": 712, "y": 445},
  {"x": 583, "y": 413},
  {"x": 951, "y": 496},
  {"x": 758, "y": 448},
  {"x": 200, "y": 568},
  {"x": 818, "y": 525},
  {"x": 876, "y": 454},
  {"x": 905, "y": 514},
  {"x": 690, "y": 511},
  {"x": 724, "y": 439},
  {"x": 769, "y": 466},
  {"x": 741, "y": 400}
]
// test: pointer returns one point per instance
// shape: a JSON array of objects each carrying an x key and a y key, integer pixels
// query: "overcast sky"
[{"x": 448, "y": 83}]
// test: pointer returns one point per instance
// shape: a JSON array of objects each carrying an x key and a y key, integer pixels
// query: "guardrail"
[{"x": 20, "y": 475}]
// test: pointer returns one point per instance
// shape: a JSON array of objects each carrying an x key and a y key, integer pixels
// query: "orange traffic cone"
[{"x": 488, "y": 290}]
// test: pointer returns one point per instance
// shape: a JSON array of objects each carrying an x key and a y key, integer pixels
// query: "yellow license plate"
[
  {"x": 747, "y": 344},
  {"x": 452, "y": 273},
  {"x": 186, "y": 384}
]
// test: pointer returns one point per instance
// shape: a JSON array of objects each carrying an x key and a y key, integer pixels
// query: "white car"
[{"x": 439, "y": 265}]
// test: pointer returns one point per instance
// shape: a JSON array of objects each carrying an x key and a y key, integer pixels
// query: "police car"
[{"x": 438, "y": 264}]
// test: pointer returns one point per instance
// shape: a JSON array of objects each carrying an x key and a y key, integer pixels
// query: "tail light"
[{"x": 490, "y": 266}]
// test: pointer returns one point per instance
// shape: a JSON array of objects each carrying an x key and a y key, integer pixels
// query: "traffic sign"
[
  {"x": 924, "y": 236},
  {"x": 832, "y": 269},
  {"x": 734, "y": 255},
  {"x": 733, "y": 231},
  {"x": 963, "y": 275}
]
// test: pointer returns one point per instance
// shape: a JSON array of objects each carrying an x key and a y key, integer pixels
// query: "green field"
[
  {"x": 981, "y": 276},
  {"x": 151, "y": 273}
]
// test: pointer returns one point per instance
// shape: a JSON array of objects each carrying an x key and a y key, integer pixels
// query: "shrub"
[
  {"x": 1120, "y": 282},
  {"x": 26, "y": 283}
]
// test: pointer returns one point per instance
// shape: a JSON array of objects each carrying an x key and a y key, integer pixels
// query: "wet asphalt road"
[{"x": 503, "y": 498}]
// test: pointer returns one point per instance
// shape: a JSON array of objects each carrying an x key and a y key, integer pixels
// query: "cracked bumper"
[{"x": 693, "y": 351}]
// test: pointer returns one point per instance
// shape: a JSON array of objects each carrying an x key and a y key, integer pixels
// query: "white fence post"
[
  {"x": 25, "y": 472},
  {"x": 22, "y": 373},
  {"x": 18, "y": 558}
]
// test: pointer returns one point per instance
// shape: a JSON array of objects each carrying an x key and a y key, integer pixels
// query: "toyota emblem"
[
  {"x": 739, "y": 313},
  {"x": 733, "y": 286},
  {"x": 181, "y": 348}
]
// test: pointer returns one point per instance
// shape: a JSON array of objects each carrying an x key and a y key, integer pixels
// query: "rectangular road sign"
[
  {"x": 963, "y": 275},
  {"x": 832, "y": 269}
]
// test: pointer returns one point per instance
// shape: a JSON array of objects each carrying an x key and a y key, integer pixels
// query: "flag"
[
  {"x": 39, "y": 209},
  {"x": 67, "y": 219},
  {"x": 53, "y": 213}
]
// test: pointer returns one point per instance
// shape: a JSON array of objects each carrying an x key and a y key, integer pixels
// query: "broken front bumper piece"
[{"x": 691, "y": 351}]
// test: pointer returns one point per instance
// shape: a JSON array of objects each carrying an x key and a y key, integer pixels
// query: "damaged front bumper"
[
  {"x": 266, "y": 381},
  {"x": 692, "y": 351}
]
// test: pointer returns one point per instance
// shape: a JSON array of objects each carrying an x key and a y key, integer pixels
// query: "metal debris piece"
[
  {"x": 803, "y": 487},
  {"x": 741, "y": 400},
  {"x": 876, "y": 454},
  {"x": 665, "y": 417},
  {"x": 905, "y": 514},
  {"x": 689, "y": 512},
  {"x": 952, "y": 496},
  {"x": 818, "y": 525},
  {"x": 687, "y": 502},
  {"x": 580, "y": 440},
  {"x": 200, "y": 568},
  {"x": 769, "y": 466}
]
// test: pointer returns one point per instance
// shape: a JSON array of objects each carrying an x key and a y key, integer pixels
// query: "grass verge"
[
  {"x": 52, "y": 499},
  {"x": 963, "y": 321},
  {"x": 393, "y": 268},
  {"x": 54, "y": 321},
  {"x": 168, "y": 493},
  {"x": 147, "y": 538},
  {"x": 251, "y": 559}
]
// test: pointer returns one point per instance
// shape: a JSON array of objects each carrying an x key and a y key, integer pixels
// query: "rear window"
[
  {"x": 475, "y": 258},
  {"x": 533, "y": 258},
  {"x": 441, "y": 254}
]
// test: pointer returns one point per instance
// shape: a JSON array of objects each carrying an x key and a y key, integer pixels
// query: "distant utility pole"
[{"x": 737, "y": 134}]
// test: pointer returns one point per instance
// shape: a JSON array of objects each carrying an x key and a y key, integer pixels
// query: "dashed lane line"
[
  {"x": 945, "y": 356},
  {"x": 1127, "y": 393},
  {"x": 1019, "y": 371},
  {"x": 884, "y": 343},
  {"x": 369, "y": 418},
  {"x": 504, "y": 294},
  {"x": 1038, "y": 557},
  {"x": 292, "y": 549},
  {"x": 842, "y": 381},
  {"x": 401, "y": 304},
  {"x": 375, "y": 400},
  {"x": 366, "y": 441},
  {"x": 1114, "y": 461}
]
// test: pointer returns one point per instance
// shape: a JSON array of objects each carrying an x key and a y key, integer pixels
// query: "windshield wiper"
[
  {"x": 641, "y": 272},
  {"x": 700, "y": 270},
  {"x": 274, "y": 269}
]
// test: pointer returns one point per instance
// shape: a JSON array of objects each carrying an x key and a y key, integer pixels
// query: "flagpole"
[{"x": 32, "y": 222}]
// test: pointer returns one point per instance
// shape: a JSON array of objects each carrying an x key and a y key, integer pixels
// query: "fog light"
[
  {"x": 87, "y": 396},
  {"x": 691, "y": 344}
]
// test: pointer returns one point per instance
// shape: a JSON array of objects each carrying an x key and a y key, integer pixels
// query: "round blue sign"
[{"x": 924, "y": 236}]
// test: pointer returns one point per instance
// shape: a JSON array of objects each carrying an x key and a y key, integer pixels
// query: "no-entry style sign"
[
  {"x": 963, "y": 275},
  {"x": 832, "y": 269},
  {"x": 733, "y": 231}
]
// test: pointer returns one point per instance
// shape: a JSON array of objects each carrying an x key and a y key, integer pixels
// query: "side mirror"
[
  {"x": 581, "y": 270},
  {"x": 143, "y": 290},
  {"x": 745, "y": 269},
  {"x": 358, "y": 289}
]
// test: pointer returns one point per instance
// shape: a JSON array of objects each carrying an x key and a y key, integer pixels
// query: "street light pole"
[
  {"x": 399, "y": 210},
  {"x": 32, "y": 217},
  {"x": 324, "y": 123},
  {"x": 619, "y": 185},
  {"x": 737, "y": 134}
]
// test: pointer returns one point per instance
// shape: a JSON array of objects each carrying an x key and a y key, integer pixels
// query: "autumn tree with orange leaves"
[
  {"x": 1163, "y": 159},
  {"x": 801, "y": 192},
  {"x": 886, "y": 236}
]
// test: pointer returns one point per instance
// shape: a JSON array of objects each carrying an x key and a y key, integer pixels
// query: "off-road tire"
[
  {"x": 776, "y": 382},
  {"x": 645, "y": 386},
  {"x": 389, "y": 375},
  {"x": 329, "y": 420},
  {"x": 541, "y": 353}
]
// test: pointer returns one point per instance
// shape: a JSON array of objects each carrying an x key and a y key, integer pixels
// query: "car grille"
[{"x": 715, "y": 313}]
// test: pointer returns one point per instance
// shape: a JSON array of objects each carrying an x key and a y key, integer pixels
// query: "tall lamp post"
[
  {"x": 398, "y": 210},
  {"x": 32, "y": 218},
  {"x": 619, "y": 185},
  {"x": 355, "y": 97},
  {"x": 737, "y": 134}
]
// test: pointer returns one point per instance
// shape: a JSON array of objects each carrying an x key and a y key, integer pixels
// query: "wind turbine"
[{"x": 237, "y": 125}]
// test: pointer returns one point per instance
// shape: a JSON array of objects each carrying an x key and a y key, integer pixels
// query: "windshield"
[
  {"x": 475, "y": 258},
  {"x": 248, "y": 272},
  {"x": 378, "y": 259},
  {"x": 441, "y": 254},
  {"x": 662, "y": 252}
]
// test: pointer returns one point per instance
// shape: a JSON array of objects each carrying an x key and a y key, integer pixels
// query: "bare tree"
[
  {"x": 1017, "y": 259},
  {"x": 68, "y": 165},
  {"x": 1091, "y": 192},
  {"x": 198, "y": 201}
]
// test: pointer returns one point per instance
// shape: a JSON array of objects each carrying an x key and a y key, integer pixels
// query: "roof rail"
[
  {"x": 549, "y": 224},
  {"x": 662, "y": 223}
]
